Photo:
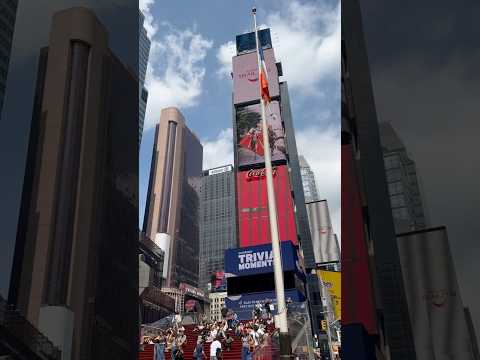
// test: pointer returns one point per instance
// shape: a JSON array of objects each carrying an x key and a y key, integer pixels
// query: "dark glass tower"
[
  {"x": 217, "y": 220},
  {"x": 403, "y": 184},
  {"x": 8, "y": 10}
]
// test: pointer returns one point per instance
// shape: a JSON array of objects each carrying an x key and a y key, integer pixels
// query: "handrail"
[{"x": 19, "y": 327}]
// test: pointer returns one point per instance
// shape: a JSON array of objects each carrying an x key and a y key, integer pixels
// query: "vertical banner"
[{"x": 332, "y": 280}]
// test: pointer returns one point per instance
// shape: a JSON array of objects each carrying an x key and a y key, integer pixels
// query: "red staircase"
[{"x": 234, "y": 354}]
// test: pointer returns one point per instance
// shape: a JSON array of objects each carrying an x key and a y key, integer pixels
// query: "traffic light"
[{"x": 324, "y": 325}]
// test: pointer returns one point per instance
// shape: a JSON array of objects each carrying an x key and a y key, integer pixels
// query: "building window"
[{"x": 397, "y": 201}]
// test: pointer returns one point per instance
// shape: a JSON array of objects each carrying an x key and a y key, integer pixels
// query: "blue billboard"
[
  {"x": 243, "y": 305},
  {"x": 258, "y": 259}
]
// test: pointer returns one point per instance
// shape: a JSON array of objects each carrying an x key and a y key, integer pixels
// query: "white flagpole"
[{"x": 272, "y": 209}]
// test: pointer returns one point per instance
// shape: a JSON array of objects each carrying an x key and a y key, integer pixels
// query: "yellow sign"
[{"x": 332, "y": 281}]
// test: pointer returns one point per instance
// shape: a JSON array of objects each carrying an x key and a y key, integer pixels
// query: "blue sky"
[{"x": 190, "y": 62}]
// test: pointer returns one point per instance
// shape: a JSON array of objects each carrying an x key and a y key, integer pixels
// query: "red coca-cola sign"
[{"x": 255, "y": 174}]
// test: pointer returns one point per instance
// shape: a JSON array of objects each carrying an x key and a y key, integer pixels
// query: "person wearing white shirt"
[{"x": 213, "y": 349}]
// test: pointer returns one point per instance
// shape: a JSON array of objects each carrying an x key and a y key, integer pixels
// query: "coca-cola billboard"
[
  {"x": 254, "y": 226},
  {"x": 245, "y": 77},
  {"x": 255, "y": 174},
  {"x": 250, "y": 147}
]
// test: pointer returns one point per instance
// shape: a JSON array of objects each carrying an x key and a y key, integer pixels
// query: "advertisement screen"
[
  {"x": 358, "y": 304},
  {"x": 218, "y": 281},
  {"x": 253, "y": 222},
  {"x": 250, "y": 147},
  {"x": 259, "y": 259},
  {"x": 245, "y": 77},
  {"x": 243, "y": 305},
  {"x": 332, "y": 281}
]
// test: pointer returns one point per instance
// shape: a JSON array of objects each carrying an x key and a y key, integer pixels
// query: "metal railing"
[{"x": 17, "y": 326}]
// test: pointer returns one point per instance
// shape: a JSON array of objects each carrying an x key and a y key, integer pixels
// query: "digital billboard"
[
  {"x": 253, "y": 222},
  {"x": 249, "y": 137},
  {"x": 245, "y": 77},
  {"x": 243, "y": 305},
  {"x": 358, "y": 305},
  {"x": 259, "y": 259},
  {"x": 332, "y": 281}
]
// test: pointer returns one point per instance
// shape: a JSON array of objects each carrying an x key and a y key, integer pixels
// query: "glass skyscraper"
[
  {"x": 308, "y": 181},
  {"x": 403, "y": 186},
  {"x": 144, "y": 51},
  {"x": 8, "y": 10},
  {"x": 217, "y": 220}
]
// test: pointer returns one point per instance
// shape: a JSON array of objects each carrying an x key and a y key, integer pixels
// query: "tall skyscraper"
[
  {"x": 218, "y": 230},
  {"x": 403, "y": 186},
  {"x": 308, "y": 180},
  {"x": 368, "y": 232},
  {"x": 172, "y": 209},
  {"x": 77, "y": 240},
  {"x": 8, "y": 10},
  {"x": 247, "y": 283},
  {"x": 144, "y": 52}
]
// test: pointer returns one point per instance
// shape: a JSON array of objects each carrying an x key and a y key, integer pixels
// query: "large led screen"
[
  {"x": 253, "y": 222},
  {"x": 245, "y": 77},
  {"x": 250, "y": 147}
]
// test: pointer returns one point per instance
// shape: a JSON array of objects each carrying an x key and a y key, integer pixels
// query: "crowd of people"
[{"x": 218, "y": 335}]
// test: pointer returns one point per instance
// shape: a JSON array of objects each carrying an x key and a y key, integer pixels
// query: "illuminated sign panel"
[
  {"x": 332, "y": 281},
  {"x": 250, "y": 148},
  {"x": 245, "y": 77},
  {"x": 253, "y": 222},
  {"x": 259, "y": 259}
]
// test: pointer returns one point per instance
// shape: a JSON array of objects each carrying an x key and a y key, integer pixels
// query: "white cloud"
[
  {"x": 175, "y": 72},
  {"x": 309, "y": 43},
  {"x": 321, "y": 148},
  {"x": 224, "y": 57},
  {"x": 307, "y": 39},
  {"x": 219, "y": 151},
  {"x": 150, "y": 26}
]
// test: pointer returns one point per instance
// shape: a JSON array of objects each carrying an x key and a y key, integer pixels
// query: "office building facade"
[
  {"x": 8, "y": 11},
  {"x": 218, "y": 230},
  {"x": 403, "y": 183},
  {"x": 308, "y": 181},
  {"x": 144, "y": 52},
  {"x": 370, "y": 256},
  {"x": 217, "y": 303},
  {"x": 172, "y": 210},
  {"x": 80, "y": 196}
]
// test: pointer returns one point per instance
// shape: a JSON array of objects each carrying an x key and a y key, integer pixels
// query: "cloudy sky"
[
  {"x": 190, "y": 64},
  {"x": 424, "y": 60}
]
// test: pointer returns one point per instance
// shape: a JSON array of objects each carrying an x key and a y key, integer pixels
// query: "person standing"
[
  {"x": 180, "y": 341},
  {"x": 159, "y": 347},
  {"x": 216, "y": 344},
  {"x": 199, "y": 352},
  {"x": 246, "y": 355},
  {"x": 228, "y": 342}
]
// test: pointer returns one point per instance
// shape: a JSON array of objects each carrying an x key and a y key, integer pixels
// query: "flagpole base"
[{"x": 285, "y": 346}]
